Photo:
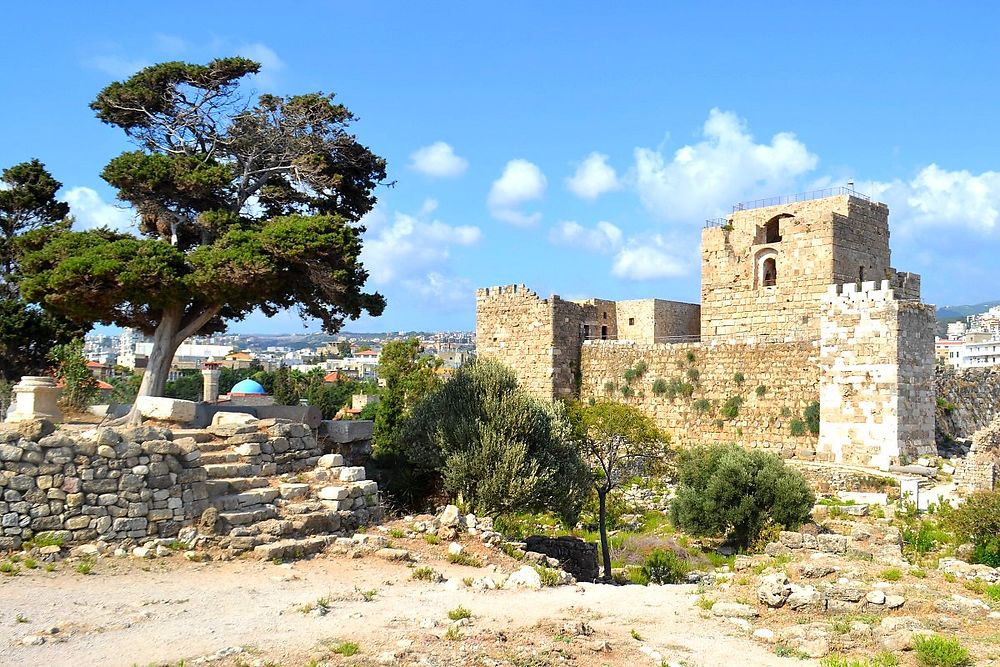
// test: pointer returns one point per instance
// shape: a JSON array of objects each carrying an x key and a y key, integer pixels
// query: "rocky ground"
[{"x": 166, "y": 610}]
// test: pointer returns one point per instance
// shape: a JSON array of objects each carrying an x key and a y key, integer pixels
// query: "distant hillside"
[{"x": 948, "y": 314}]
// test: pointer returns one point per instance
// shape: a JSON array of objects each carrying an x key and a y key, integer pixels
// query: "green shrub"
[
  {"x": 464, "y": 559},
  {"x": 346, "y": 649},
  {"x": 797, "y": 427},
  {"x": 627, "y": 391},
  {"x": 883, "y": 659},
  {"x": 458, "y": 613},
  {"x": 685, "y": 389},
  {"x": 630, "y": 375},
  {"x": 936, "y": 651},
  {"x": 978, "y": 521},
  {"x": 944, "y": 404},
  {"x": 640, "y": 368},
  {"x": 690, "y": 356},
  {"x": 610, "y": 387},
  {"x": 811, "y": 416},
  {"x": 892, "y": 574},
  {"x": 760, "y": 390},
  {"x": 694, "y": 375},
  {"x": 739, "y": 378},
  {"x": 702, "y": 405},
  {"x": 481, "y": 438},
  {"x": 731, "y": 408},
  {"x": 726, "y": 490},
  {"x": 719, "y": 423},
  {"x": 79, "y": 384},
  {"x": 548, "y": 575},
  {"x": 786, "y": 412},
  {"x": 424, "y": 573},
  {"x": 662, "y": 567},
  {"x": 659, "y": 386}
]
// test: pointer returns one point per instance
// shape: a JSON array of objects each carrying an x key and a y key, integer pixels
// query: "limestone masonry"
[{"x": 802, "y": 322}]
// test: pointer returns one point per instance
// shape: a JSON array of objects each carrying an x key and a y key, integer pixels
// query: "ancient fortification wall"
[
  {"x": 876, "y": 374},
  {"x": 787, "y": 372},
  {"x": 969, "y": 401},
  {"x": 766, "y": 270},
  {"x": 656, "y": 320},
  {"x": 150, "y": 482}
]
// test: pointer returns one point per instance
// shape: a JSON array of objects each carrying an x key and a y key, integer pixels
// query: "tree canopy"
[
  {"x": 242, "y": 204},
  {"x": 27, "y": 333}
]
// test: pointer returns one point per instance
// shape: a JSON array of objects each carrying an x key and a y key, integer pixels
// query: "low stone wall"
[
  {"x": 143, "y": 482},
  {"x": 577, "y": 557},
  {"x": 858, "y": 540}
]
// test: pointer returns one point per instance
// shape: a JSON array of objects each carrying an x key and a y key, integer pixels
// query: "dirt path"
[{"x": 133, "y": 613}]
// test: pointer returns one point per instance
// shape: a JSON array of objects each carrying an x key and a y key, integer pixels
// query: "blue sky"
[{"x": 575, "y": 147}]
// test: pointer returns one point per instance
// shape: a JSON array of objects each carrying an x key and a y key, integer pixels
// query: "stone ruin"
[
  {"x": 799, "y": 305},
  {"x": 241, "y": 484}
]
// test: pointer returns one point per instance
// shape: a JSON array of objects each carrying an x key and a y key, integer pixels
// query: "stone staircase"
[{"x": 275, "y": 497}]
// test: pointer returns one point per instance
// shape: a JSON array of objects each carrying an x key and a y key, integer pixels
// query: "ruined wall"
[
  {"x": 822, "y": 241},
  {"x": 876, "y": 376},
  {"x": 969, "y": 401},
  {"x": 788, "y": 373},
  {"x": 142, "y": 482},
  {"x": 980, "y": 470},
  {"x": 538, "y": 338}
]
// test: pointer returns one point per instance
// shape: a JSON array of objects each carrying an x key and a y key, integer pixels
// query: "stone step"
[
  {"x": 207, "y": 447},
  {"x": 225, "y": 470},
  {"x": 247, "y": 517},
  {"x": 294, "y": 548},
  {"x": 250, "y": 499},
  {"x": 227, "y": 485},
  {"x": 219, "y": 457}
]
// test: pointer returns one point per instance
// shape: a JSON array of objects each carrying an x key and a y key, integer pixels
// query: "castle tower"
[{"x": 766, "y": 267}]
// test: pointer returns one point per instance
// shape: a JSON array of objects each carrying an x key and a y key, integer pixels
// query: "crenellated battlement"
[
  {"x": 868, "y": 290},
  {"x": 516, "y": 290}
]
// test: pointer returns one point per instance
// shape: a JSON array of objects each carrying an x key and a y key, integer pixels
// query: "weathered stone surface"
[
  {"x": 733, "y": 610},
  {"x": 352, "y": 474},
  {"x": 774, "y": 589},
  {"x": 330, "y": 461},
  {"x": 166, "y": 409},
  {"x": 525, "y": 577}
]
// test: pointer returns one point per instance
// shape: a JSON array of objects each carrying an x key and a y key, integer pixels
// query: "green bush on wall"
[{"x": 731, "y": 408}]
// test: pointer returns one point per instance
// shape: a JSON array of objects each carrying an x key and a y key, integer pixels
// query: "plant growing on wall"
[
  {"x": 690, "y": 356},
  {"x": 640, "y": 368},
  {"x": 694, "y": 375},
  {"x": 739, "y": 379},
  {"x": 627, "y": 391},
  {"x": 659, "y": 387},
  {"x": 760, "y": 390},
  {"x": 731, "y": 408},
  {"x": 811, "y": 417},
  {"x": 630, "y": 375},
  {"x": 797, "y": 427},
  {"x": 610, "y": 387},
  {"x": 702, "y": 405}
]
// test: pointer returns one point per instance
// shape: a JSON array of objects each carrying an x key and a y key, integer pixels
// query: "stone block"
[
  {"x": 333, "y": 493},
  {"x": 330, "y": 461},
  {"x": 165, "y": 409},
  {"x": 342, "y": 432}
]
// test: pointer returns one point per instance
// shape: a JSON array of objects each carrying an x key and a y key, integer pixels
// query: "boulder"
[
  {"x": 226, "y": 418},
  {"x": 450, "y": 517},
  {"x": 526, "y": 577},
  {"x": 774, "y": 590},
  {"x": 165, "y": 409},
  {"x": 804, "y": 597}
]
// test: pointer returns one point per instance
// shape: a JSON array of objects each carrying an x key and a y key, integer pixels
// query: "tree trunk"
[
  {"x": 602, "y": 499},
  {"x": 174, "y": 329}
]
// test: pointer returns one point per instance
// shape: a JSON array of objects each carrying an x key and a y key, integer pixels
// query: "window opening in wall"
[
  {"x": 604, "y": 315},
  {"x": 631, "y": 321},
  {"x": 770, "y": 272},
  {"x": 604, "y": 333},
  {"x": 772, "y": 231},
  {"x": 861, "y": 275},
  {"x": 586, "y": 331}
]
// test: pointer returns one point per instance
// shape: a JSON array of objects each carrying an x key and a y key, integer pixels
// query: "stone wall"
[
  {"x": 970, "y": 401},
  {"x": 147, "y": 482},
  {"x": 788, "y": 373},
  {"x": 577, "y": 557},
  {"x": 538, "y": 338},
  {"x": 822, "y": 241},
  {"x": 656, "y": 320},
  {"x": 876, "y": 376},
  {"x": 979, "y": 470}
]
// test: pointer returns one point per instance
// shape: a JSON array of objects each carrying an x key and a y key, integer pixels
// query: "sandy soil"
[{"x": 161, "y": 612}]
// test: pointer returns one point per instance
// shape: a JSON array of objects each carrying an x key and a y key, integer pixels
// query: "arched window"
[
  {"x": 769, "y": 272},
  {"x": 772, "y": 230}
]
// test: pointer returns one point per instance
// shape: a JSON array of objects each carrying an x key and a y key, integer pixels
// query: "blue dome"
[{"x": 247, "y": 386}]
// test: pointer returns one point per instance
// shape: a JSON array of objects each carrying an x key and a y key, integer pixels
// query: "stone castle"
[{"x": 801, "y": 314}]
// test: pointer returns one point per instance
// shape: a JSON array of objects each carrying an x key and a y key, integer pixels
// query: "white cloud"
[
  {"x": 521, "y": 182},
  {"x": 170, "y": 44},
  {"x": 270, "y": 63},
  {"x": 649, "y": 258},
  {"x": 441, "y": 289},
  {"x": 727, "y": 165},
  {"x": 603, "y": 237},
  {"x": 410, "y": 247},
  {"x": 90, "y": 211},
  {"x": 119, "y": 67},
  {"x": 593, "y": 177},
  {"x": 438, "y": 161},
  {"x": 938, "y": 197}
]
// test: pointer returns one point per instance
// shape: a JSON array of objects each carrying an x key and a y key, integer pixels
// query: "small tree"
[
  {"x": 79, "y": 384},
  {"x": 490, "y": 444},
  {"x": 978, "y": 520},
  {"x": 727, "y": 490},
  {"x": 612, "y": 438},
  {"x": 408, "y": 377}
]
